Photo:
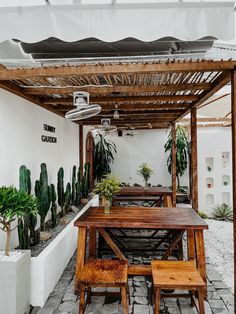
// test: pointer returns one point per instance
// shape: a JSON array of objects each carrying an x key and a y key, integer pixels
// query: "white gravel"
[{"x": 219, "y": 248}]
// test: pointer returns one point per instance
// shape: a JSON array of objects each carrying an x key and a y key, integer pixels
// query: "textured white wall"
[
  {"x": 21, "y": 125},
  {"x": 145, "y": 146}
]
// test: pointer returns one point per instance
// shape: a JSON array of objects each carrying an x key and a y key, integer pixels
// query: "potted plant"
[
  {"x": 108, "y": 186},
  {"x": 209, "y": 168},
  {"x": 14, "y": 266},
  {"x": 209, "y": 185},
  {"x": 145, "y": 172}
]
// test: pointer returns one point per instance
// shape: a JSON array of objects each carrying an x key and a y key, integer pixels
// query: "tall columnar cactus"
[
  {"x": 85, "y": 180},
  {"x": 73, "y": 186},
  {"x": 54, "y": 206},
  {"x": 24, "y": 223},
  {"x": 67, "y": 204},
  {"x": 43, "y": 192},
  {"x": 60, "y": 189}
]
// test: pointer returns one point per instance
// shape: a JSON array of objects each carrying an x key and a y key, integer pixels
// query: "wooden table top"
[
  {"x": 142, "y": 217},
  {"x": 138, "y": 190}
]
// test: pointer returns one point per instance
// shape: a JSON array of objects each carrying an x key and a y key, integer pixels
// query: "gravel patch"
[{"x": 219, "y": 248}]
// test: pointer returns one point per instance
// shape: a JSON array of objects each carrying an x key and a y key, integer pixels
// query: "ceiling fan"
[
  {"x": 83, "y": 109},
  {"x": 105, "y": 126}
]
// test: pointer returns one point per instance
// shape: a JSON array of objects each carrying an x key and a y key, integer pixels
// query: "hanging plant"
[
  {"x": 182, "y": 151},
  {"x": 103, "y": 156}
]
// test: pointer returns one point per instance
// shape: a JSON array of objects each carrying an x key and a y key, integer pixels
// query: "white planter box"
[
  {"x": 48, "y": 266},
  {"x": 15, "y": 284}
]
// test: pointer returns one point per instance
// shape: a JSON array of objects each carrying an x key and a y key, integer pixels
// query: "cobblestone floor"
[{"x": 63, "y": 301}]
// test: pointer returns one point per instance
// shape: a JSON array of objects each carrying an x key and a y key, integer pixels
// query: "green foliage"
[
  {"x": 73, "y": 186},
  {"x": 182, "y": 151},
  {"x": 27, "y": 224},
  {"x": 103, "y": 156},
  {"x": 85, "y": 181},
  {"x": 53, "y": 205},
  {"x": 14, "y": 204},
  {"x": 60, "y": 188},
  {"x": 203, "y": 215},
  {"x": 67, "y": 204},
  {"x": 223, "y": 212},
  {"x": 43, "y": 193},
  {"x": 145, "y": 172},
  {"x": 108, "y": 186}
]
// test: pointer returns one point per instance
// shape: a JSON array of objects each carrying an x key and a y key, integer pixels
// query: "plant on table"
[
  {"x": 103, "y": 156},
  {"x": 14, "y": 204},
  {"x": 145, "y": 172},
  {"x": 223, "y": 212},
  {"x": 182, "y": 151},
  {"x": 108, "y": 186}
]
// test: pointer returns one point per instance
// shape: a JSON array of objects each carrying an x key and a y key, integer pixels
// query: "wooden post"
[
  {"x": 233, "y": 117},
  {"x": 194, "y": 158},
  {"x": 81, "y": 149},
  {"x": 174, "y": 164}
]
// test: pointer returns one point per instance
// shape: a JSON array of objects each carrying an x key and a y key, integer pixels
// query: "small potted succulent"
[
  {"x": 145, "y": 172},
  {"x": 108, "y": 186},
  {"x": 15, "y": 265},
  {"x": 209, "y": 168}
]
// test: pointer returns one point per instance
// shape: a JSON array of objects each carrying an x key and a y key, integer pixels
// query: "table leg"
[
  {"x": 191, "y": 245},
  {"x": 81, "y": 251},
  {"x": 168, "y": 201},
  {"x": 200, "y": 256},
  {"x": 92, "y": 243}
]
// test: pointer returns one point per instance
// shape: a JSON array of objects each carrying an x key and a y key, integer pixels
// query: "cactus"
[
  {"x": 54, "y": 206},
  {"x": 78, "y": 193},
  {"x": 85, "y": 180},
  {"x": 43, "y": 192},
  {"x": 60, "y": 189},
  {"x": 73, "y": 186},
  {"x": 67, "y": 204},
  {"x": 24, "y": 223}
]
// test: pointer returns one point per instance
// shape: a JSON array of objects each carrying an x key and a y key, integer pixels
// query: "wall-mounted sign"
[
  {"x": 49, "y": 128},
  {"x": 46, "y": 138}
]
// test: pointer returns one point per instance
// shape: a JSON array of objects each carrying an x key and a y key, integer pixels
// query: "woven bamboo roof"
[{"x": 146, "y": 93}]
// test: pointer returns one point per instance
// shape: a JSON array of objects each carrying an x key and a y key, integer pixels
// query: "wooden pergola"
[{"x": 154, "y": 94}]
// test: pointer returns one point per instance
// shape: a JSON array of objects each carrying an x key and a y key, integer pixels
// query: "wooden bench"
[
  {"x": 181, "y": 275},
  {"x": 103, "y": 273}
]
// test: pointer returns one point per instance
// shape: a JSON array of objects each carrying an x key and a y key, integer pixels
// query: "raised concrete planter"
[
  {"x": 48, "y": 266},
  {"x": 15, "y": 284}
]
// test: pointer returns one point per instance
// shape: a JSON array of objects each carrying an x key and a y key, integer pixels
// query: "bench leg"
[
  {"x": 157, "y": 301},
  {"x": 82, "y": 299},
  {"x": 201, "y": 300},
  {"x": 124, "y": 300}
]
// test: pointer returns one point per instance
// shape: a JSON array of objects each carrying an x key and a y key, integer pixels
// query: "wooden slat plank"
[
  {"x": 194, "y": 163},
  {"x": 91, "y": 69},
  {"x": 124, "y": 99},
  {"x": 174, "y": 164},
  {"x": 140, "y": 270},
  {"x": 64, "y": 90}
]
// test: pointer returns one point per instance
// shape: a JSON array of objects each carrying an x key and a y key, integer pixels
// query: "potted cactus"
[
  {"x": 108, "y": 186},
  {"x": 14, "y": 266},
  {"x": 145, "y": 172}
]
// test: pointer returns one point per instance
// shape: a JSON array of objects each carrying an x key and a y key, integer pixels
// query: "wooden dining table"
[
  {"x": 139, "y": 193},
  {"x": 161, "y": 218}
]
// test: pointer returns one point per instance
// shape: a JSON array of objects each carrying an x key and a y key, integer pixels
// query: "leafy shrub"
[
  {"x": 223, "y": 212},
  {"x": 145, "y": 172}
]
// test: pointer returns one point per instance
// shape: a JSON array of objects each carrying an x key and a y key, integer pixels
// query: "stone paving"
[{"x": 63, "y": 301}]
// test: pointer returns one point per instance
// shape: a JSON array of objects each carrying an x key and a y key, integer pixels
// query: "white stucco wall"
[
  {"x": 212, "y": 142},
  {"x": 21, "y": 127},
  {"x": 145, "y": 146}
]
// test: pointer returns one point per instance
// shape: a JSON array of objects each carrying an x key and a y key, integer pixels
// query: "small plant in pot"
[
  {"x": 14, "y": 266},
  {"x": 145, "y": 172},
  {"x": 108, "y": 186},
  {"x": 14, "y": 204}
]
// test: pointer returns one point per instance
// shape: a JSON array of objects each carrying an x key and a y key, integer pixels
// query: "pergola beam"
[
  {"x": 96, "y": 69},
  {"x": 104, "y": 89}
]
